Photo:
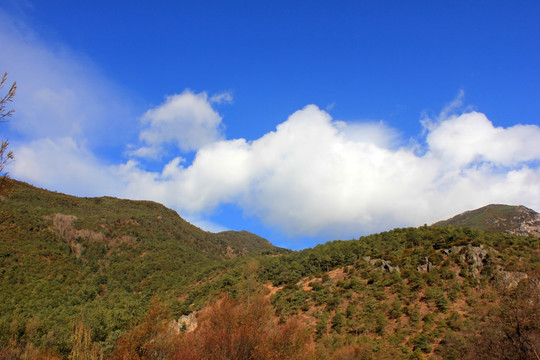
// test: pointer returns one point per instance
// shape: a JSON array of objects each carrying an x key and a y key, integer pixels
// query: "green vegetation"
[
  {"x": 84, "y": 278},
  {"x": 498, "y": 218},
  {"x": 99, "y": 261}
]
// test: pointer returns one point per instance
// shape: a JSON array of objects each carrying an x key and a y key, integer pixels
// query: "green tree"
[
  {"x": 322, "y": 324},
  {"x": 395, "y": 311},
  {"x": 422, "y": 343},
  {"x": 338, "y": 321}
]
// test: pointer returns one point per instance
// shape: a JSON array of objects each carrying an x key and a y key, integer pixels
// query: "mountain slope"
[
  {"x": 428, "y": 292},
  {"x": 111, "y": 220},
  {"x": 65, "y": 259},
  {"x": 498, "y": 218},
  {"x": 76, "y": 271}
]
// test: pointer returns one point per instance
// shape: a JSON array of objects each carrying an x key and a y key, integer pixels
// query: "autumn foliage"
[
  {"x": 228, "y": 329},
  {"x": 153, "y": 338},
  {"x": 245, "y": 330},
  {"x": 513, "y": 331}
]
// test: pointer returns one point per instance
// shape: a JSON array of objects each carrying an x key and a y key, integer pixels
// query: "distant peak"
[{"x": 510, "y": 219}]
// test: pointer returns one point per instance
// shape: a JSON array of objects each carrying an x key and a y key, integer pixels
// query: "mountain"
[
  {"x": 498, "y": 218},
  {"x": 119, "y": 279},
  {"x": 102, "y": 259},
  {"x": 115, "y": 221}
]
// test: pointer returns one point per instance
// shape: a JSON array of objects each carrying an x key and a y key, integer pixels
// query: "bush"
[
  {"x": 241, "y": 330},
  {"x": 338, "y": 321},
  {"x": 422, "y": 343}
]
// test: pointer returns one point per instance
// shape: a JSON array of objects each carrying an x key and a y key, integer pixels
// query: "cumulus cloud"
[
  {"x": 186, "y": 120},
  {"x": 471, "y": 137},
  {"x": 311, "y": 177},
  {"x": 377, "y": 133}
]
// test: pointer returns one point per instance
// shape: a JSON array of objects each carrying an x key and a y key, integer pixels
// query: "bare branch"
[
  {"x": 5, "y": 154},
  {"x": 7, "y": 98}
]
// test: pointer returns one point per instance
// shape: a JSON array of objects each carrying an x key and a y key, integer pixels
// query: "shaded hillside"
[
  {"x": 499, "y": 218},
  {"x": 241, "y": 243}
]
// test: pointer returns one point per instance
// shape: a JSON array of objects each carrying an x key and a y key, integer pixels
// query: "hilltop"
[
  {"x": 114, "y": 221},
  {"x": 498, "y": 218}
]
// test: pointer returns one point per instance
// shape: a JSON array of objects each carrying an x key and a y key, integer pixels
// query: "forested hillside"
[
  {"x": 109, "y": 278},
  {"x": 65, "y": 259}
]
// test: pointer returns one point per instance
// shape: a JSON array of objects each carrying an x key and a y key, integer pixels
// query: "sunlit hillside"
[{"x": 128, "y": 279}]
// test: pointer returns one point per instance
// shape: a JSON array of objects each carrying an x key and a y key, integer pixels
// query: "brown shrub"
[
  {"x": 243, "y": 329},
  {"x": 153, "y": 338}
]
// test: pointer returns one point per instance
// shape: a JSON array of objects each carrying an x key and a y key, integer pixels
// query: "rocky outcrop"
[
  {"x": 382, "y": 264},
  {"x": 527, "y": 221},
  {"x": 509, "y": 279},
  {"x": 185, "y": 323},
  {"x": 427, "y": 267},
  {"x": 476, "y": 258},
  {"x": 452, "y": 251},
  {"x": 521, "y": 221}
]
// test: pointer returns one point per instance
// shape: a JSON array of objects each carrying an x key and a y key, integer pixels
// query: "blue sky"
[{"x": 300, "y": 121}]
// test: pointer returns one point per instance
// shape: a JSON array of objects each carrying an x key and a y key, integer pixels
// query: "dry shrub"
[
  {"x": 83, "y": 347},
  {"x": 27, "y": 351},
  {"x": 153, "y": 338},
  {"x": 244, "y": 329},
  {"x": 352, "y": 353},
  {"x": 513, "y": 332}
]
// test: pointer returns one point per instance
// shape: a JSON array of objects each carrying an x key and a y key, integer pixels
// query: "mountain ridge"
[
  {"x": 120, "y": 276},
  {"x": 510, "y": 219},
  {"x": 117, "y": 218}
]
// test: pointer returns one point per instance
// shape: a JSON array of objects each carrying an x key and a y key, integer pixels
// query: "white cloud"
[
  {"x": 60, "y": 93},
  {"x": 222, "y": 98},
  {"x": 377, "y": 133},
  {"x": 309, "y": 177},
  {"x": 186, "y": 120},
  {"x": 64, "y": 165},
  {"x": 313, "y": 175},
  {"x": 472, "y": 137},
  {"x": 206, "y": 224},
  {"x": 147, "y": 152}
]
